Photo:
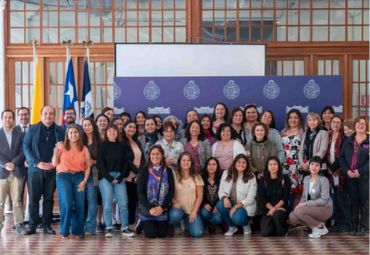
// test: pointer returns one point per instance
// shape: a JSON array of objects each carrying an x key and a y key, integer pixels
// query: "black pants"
[
  {"x": 132, "y": 201},
  {"x": 153, "y": 229},
  {"x": 41, "y": 183},
  {"x": 358, "y": 191},
  {"x": 275, "y": 224},
  {"x": 343, "y": 210}
]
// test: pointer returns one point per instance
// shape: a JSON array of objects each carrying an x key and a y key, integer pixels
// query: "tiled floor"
[{"x": 296, "y": 243}]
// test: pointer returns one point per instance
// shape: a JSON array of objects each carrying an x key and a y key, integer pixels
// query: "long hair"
[
  {"x": 201, "y": 132},
  {"x": 265, "y": 127},
  {"x": 124, "y": 135},
  {"x": 192, "y": 172},
  {"x": 300, "y": 119},
  {"x": 251, "y": 106},
  {"x": 266, "y": 172},
  {"x": 273, "y": 122},
  {"x": 210, "y": 122},
  {"x": 80, "y": 142},
  {"x": 233, "y": 112},
  {"x": 218, "y": 169},
  {"x": 232, "y": 173},
  {"x": 149, "y": 164},
  {"x": 226, "y": 116},
  {"x": 95, "y": 135},
  {"x": 317, "y": 117}
]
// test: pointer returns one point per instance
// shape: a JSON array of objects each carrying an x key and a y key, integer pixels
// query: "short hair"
[
  {"x": 300, "y": 118},
  {"x": 273, "y": 122},
  {"x": 252, "y": 106},
  {"x": 7, "y": 110},
  {"x": 23, "y": 108},
  {"x": 265, "y": 127},
  {"x": 69, "y": 109},
  {"x": 111, "y": 125},
  {"x": 365, "y": 118},
  {"x": 168, "y": 124},
  {"x": 328, "y": 107},
  {"x": 349, "y": 123},
  {"x": 316, "y": 159},
  {"x": 125, "y": 114},
  {"x": 47, "y": 106},
  {"x": 222, "y": 127}
]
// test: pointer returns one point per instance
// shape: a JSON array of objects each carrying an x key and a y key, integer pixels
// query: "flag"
[
  {"x": 87, "y": 104},
  {"x": 70, "y": 93},
  {"x": 37, "y": 98}
]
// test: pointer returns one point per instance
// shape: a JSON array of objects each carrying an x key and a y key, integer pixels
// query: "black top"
[
  {"x": 210, "y": 192},
  {"x": 47, "y": 141},
  {"x": 112, "y": 156},
  {"x": 275, "y": 190},
  {"x": 142, "y": 189}
]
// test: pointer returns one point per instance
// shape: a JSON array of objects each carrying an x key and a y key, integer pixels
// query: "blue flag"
[
  {"x": 87, "y": 104},
  {"x": 70, "y": 93}
]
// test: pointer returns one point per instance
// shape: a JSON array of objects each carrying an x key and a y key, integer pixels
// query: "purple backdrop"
[{"x": 176, "y": 95}]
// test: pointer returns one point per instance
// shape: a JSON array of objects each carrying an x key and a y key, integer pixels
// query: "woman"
[
  {"x": 316, "y": 205},
  {"x": 260, "y": 149},
  {"x": 176, "y": 123},
  {"x": 140, "y": 122},
  {"x": 108, "y": 111},
  {"x": 158, "y": 123},
  {"x": 150, "y": 136},
  {"x": 348, "y": 128},
  {"x": 155, "y": 189},
  {"x": 191, "y": 115},
  {"x": 136, "y": 162},
  {"x": 206, "y": 123},
  {"x": 226, "y": 148},
  {"x": 211, "y": 179},
  {"x": 188, "y": 196},
  {"x": 237, "y": 194},
  {"x": 72, "y": 162},
  {"x": 220, "y": 116},
  {"x": 102, "y": 123},
  {"x": 326, "y": 115},
  {"x": 251, "y": 116},
  {"x": 267, "y": 117},
  {"x": 292, "y": 137},
  {"x": 125, "y": 116},
  {"x": 119, "y": 124},
  {"x": 196, "y": 145},
  {"x": 354, "y": 163},
  {"x": 315, "y": 142},
  {"x": 172, "y": 149},
  {"x": 91, "y": 136},
  {"x": 275, "y": 197},
  {"x": 112, "y": 167},
  {"x": 237, "y": 122}
]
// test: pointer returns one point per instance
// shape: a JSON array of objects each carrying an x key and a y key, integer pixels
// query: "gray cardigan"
[
  {"x": 320, "y": 146},
  {"x": 204, "y": 150},
  {"x": 320, "y": 195}
]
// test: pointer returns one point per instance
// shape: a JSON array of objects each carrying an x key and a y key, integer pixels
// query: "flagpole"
[
  {"x": 87, "y": 45},
  {"x": 67, "y": 44}
]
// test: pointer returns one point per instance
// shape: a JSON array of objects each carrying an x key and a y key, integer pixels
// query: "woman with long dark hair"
[
  {"x": 206, "y": 123},
  {"x": 150, "y": 136},
  {"x": 237, "y": 192},
  {"x": 275, "y": 196},
  {"x": 155, "y": 189},
  {"x": 220, "y": 116}
]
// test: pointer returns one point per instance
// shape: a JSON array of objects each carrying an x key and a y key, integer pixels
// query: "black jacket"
[{"x": 131, "y": 157}]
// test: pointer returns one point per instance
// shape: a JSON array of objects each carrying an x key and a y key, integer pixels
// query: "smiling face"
[
  {"x": 212, "y": 167},
  {"x": 226, "y": 134},
  {"x": 119, "y": 125},
  {"x": 266, "y": 118},
  {"x": 348, "y": 131},
  {"x": 327, "y": 115},
  {"x": 237, "y": 118},
  {"x": 192, "y": 115},
  {"x": 24, "y": 117},
  {"x": 293, "y": 120},
  {"x": 112, "y": 134},
  {"x": 150, "y": 126},
  {"x": 102, "y": 123},
  {"x": 314, "y": 168},
  {"x": 206, "y": 123},
  {"x": 360, "y": 126},
  {"x": 241, "y": 165},
  {"x": 73, "y": 135},
  {"x": 194, "y": 129},
  {"x": 156, "y": 157},
  {"x": 130, "y": 130},
  {"x": 8, "y": 120},
  {"x": 140, "y": 119},
  {"x": 259, "y": 132},
  {"x": 185, "y": 163},
  {"x": 220, "y": 111},
  {"x": 47, "y": 116},
  {"x": 251, "y": 114},
  {"x": 273, "y": 167},
  {"x": 87, "y": 127},
  {"x": 336, "y": 124},
  {"x": 169, "y": 134},
  {"x": 313, "y": 123}
]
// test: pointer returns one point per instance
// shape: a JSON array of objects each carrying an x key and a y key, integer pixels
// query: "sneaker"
[
  {"x": 138, "y": 228},
  {"x": 109, "y": 233},
  {"x": 316, "y": 232},
  {"x": 247, "y": 230},
  {"x": 231, "y": 231},
  {"x": 128, "y": 233},
  {"x": 100, "y": 228},
  {"x": 20, "y": 228},
  {"x": 324, "y": 230}
]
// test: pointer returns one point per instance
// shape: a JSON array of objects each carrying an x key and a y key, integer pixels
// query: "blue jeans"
[
  {"x": 206, "y": 215},
  {"x": 195, "y": 228},
  {"x": 108, "y": 190},
  {"x": 239, "y": 218},
  {"x": 92, "y": 205},
  {"x": 71, "y": 203}
]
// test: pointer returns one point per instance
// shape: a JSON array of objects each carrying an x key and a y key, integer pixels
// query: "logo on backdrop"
[
  {"x": 338, "y": 108},
  {"x": 231, "y": 90},
  {"x": 116, "y": 91},
  {"x": 151, "y": 91},
  {"x": 311, "y": 90},
  {"x": 271, "y": 90},
  {"x": 191, "y": 90},
  {"x": 203, "y": 109},
  {"x": 159, "y": 110},
  {"x": 302, "y": 109}
]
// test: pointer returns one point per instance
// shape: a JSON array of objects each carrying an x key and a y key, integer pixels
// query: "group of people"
[{"x": 233, "y": 171}]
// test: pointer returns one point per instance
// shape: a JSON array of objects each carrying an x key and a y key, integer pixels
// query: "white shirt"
[{"x": 8, "y": 136}]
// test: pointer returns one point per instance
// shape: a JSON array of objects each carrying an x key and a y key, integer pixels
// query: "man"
[
  {"x": 69, "y": 117},
  {"x": 38, "y": 146},
  {"x": 23, "y": 119},
  {"x": 12, "y": 169}
]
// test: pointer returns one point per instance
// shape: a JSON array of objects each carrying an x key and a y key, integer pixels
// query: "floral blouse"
[{"x": 291, "y": 166}]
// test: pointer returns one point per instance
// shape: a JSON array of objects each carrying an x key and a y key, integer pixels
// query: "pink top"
[
  {"x": 194, "y": 151},
  {"x": 225, "y": 155},
  {"x": 72, "y": 161}
]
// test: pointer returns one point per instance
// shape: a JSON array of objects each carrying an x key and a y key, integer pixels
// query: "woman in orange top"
[{"x": 71, "y": 160}]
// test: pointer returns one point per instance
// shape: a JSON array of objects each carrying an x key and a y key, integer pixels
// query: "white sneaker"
[
  {"x": 128, "y": 232},
  {"x": 324, "y": 230},
  {"x": 231, "y": 231},
  {"x": 109, "y": 233},
  {"x": 316, "y": 233},
  {"x": 247, "y": 230}
]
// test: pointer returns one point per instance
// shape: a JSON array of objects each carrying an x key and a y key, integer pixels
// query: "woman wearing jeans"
[
  {"x": 188, "y": 196},
  {"x": 72, "y": 161},
  {"x": 112, "y": 162}
]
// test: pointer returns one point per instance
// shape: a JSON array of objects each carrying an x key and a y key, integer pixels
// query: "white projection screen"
[{"x": 156, "y": 60}]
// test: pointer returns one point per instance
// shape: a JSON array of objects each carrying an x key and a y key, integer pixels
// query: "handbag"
[{"x": 143, "y": 210}]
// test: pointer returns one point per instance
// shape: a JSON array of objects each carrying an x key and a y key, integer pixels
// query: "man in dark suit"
[
  {"x": 38, "y": 145},
  {"x": 12, "y": 169}
]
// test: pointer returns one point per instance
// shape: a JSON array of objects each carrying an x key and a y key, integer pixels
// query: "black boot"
[{"x": 355, "y": 220}]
